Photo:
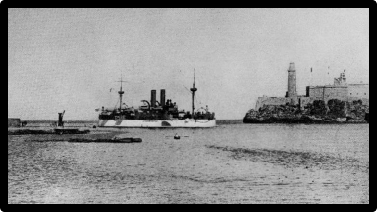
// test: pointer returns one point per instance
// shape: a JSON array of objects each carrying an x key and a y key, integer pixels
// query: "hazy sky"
[{"x": 68, "y": 59}]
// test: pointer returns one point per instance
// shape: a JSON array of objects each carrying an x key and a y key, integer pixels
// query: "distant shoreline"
[
  {"x": 232, "y": 121},
  {"x": 73, "y": 121}
]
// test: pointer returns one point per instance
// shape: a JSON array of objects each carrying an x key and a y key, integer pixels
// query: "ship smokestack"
[
  {"x": 162, "y": 97},
  {"x": 292, "y": 67},
  {"x": 153, "y": 98}
]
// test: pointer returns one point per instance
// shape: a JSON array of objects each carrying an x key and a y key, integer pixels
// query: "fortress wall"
[
  {"x": 338, "y": 92},
  {"x": 327, "y": 92},
  {"x": 345, "y": 93},
  {"x": 302, "y": 100},
  {"x": 360, "y": 91},
  {"x": 271, "y": 101}
]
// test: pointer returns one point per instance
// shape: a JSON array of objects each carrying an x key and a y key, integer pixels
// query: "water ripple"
[{"x": 294, "y": 158}]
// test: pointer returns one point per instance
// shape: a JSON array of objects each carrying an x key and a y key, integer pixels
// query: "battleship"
[{"x": 155, "y": 114}]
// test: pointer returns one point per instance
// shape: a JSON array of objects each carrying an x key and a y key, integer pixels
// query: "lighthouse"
[{"x": 291, "y": 81}]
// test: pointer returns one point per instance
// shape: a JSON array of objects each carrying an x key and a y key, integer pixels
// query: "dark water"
[{"x": 232, "y": 163}]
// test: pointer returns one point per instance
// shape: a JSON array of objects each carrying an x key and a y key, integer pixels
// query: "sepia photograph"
[{"x": 188, "y": 106}]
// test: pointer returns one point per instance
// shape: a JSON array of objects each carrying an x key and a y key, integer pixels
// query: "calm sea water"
[{"x": 232, "y": 163}]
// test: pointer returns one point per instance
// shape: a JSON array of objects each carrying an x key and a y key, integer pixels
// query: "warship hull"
[
  {"x": 189, "y": 123},
  {"x": 156, "y": 114}
]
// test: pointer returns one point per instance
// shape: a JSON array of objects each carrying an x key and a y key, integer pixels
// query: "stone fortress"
[{"x": 340, "y": 90}]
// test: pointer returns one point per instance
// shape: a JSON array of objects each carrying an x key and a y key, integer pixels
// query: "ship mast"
[
  {"x": 121, "y": 92},
  {"x": 193, "y": 89}
]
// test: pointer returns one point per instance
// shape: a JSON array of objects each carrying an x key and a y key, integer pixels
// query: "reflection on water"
[{"x": 232, "y": 163}]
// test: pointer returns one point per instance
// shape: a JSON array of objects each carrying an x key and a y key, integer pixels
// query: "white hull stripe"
[{"x": 157, "y": 123}]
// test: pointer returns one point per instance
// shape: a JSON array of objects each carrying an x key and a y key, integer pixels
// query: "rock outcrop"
[{"x": 336, "y": 111}]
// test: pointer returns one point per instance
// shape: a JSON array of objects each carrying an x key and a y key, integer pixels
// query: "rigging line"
[
  {"x": 180, "y": 79},
  {"x": 187, "y": 89}
]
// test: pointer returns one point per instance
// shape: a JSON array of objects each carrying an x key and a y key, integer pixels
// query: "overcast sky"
[{"x": 68, "y": 59}]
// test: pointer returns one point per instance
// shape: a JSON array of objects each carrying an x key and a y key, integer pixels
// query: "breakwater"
[
  {"x": 46, "y": 131},
  {"x": 335, "y": 111}
]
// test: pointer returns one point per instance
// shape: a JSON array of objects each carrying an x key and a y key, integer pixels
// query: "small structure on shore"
[
  {"x": 60, "y": 120},
  {"x": 14, "y": 122}
]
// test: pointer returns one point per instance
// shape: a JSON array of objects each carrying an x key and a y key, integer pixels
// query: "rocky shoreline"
[{"x": 335, "y": 112}]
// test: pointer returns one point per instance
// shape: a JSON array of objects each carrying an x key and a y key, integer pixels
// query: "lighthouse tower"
[{"x": 291, "y": 81}]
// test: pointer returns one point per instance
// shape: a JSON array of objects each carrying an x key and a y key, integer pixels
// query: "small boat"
[{"x": 126, "y": 140}]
